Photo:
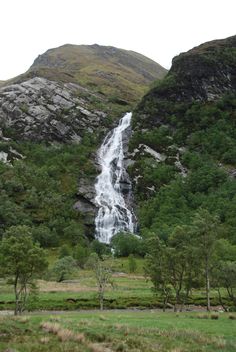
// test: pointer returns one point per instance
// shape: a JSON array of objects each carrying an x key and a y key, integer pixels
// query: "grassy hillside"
[{"x": 115, "y": 73}]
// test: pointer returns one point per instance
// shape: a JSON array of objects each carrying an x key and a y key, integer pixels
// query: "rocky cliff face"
[
  {"x": 206, "y": 72},
  {"x": 203, "y": 74},
  {"x": 42, "y": 110}
]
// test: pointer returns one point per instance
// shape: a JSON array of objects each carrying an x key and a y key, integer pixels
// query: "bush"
[
  {"x": 81, "y": 255},
  {"x": 100, "y": 248},
  {"x": 63, "y": 268},
  {"x": 232, "y": 316},
  {"x": 214, "y": 316}
]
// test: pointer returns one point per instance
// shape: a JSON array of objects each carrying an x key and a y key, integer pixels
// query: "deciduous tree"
[{"x": 21, "y": 262}]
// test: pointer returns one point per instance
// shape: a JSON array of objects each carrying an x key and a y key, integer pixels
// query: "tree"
[
  {"x": 157, "y": 269},
  {"x": 172, "y": 266},
  {"x": 102, "y": 273},
  {"x": 225, "y": 277},
  {"x": 63, "y": 268},
  {"x": 204, "y": 236},
  {"x": 21, "y": 262},
  {"x": 224, "y": 271}
]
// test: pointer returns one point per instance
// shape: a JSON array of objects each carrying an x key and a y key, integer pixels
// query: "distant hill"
[{"x": 116, "y": 73}]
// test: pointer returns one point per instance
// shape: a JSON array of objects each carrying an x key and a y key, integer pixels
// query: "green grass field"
[{"x": 118, "y": 331}]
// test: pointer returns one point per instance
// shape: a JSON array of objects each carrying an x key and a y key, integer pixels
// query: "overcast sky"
[{"x": 159, "y": 29}]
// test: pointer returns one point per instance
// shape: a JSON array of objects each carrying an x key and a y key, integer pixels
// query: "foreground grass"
[{"x": 118, "y": 331}]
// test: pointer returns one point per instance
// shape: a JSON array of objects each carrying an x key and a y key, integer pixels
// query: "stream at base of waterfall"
[{"x": 113, "y": 215}]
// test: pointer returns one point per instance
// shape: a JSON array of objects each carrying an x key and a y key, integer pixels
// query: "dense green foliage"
[
  {"x": 63, "y": 268},
  {"x": 203, "y": 139},
  {"x": 192, "y": 257},
  {"x": 125, "y": 244},
  {"x": 40, "y": 190}
]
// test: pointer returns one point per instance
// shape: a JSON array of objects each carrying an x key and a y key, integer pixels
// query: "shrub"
[
  {"x": 132, "y": 264},
  {"x": 125, "y": 244},
  {"x": 214, "y": 316},
  {"x": 202, "y": 316},
  {"x": 63, "y": 268},
  {"x": 232, "y": 316}
]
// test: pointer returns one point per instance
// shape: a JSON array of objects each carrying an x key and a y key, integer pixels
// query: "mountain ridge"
[{"x": 114, "y": 72}]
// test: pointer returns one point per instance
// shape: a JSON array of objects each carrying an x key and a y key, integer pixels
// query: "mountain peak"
[{"x": 115, "y": 72}]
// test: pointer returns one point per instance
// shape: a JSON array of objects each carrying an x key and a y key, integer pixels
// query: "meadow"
[{"x": 134, "y": 331}]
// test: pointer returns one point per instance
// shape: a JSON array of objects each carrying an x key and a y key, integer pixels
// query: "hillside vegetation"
[{"x": 189, "y": 120}]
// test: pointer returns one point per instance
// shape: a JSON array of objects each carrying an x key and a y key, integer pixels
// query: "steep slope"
[{"x": 184, "y": 142}]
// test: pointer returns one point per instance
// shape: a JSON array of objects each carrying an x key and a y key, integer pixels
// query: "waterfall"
[{"x": 113, "y": 214}]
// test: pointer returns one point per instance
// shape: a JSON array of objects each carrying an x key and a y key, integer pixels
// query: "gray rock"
[
  {"x": 84, "y": 207},
  {"x": 3, "y": 157},
  {"x": 39, "y": 109},
  {"x": 86, "y": 189}
]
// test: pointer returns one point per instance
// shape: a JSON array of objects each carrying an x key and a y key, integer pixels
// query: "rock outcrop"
[
  {"x": 43, "y": 110},
  {"x": 203, "y": 74}
]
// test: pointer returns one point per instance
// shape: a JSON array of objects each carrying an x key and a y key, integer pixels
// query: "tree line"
[{"x": 194, "y": 256}]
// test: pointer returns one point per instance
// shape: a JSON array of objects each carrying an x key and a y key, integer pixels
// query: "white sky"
[{"x": 159, "y": 29}]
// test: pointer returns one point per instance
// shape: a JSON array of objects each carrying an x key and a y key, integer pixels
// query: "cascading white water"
[{"x": 113, "y": 214}]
